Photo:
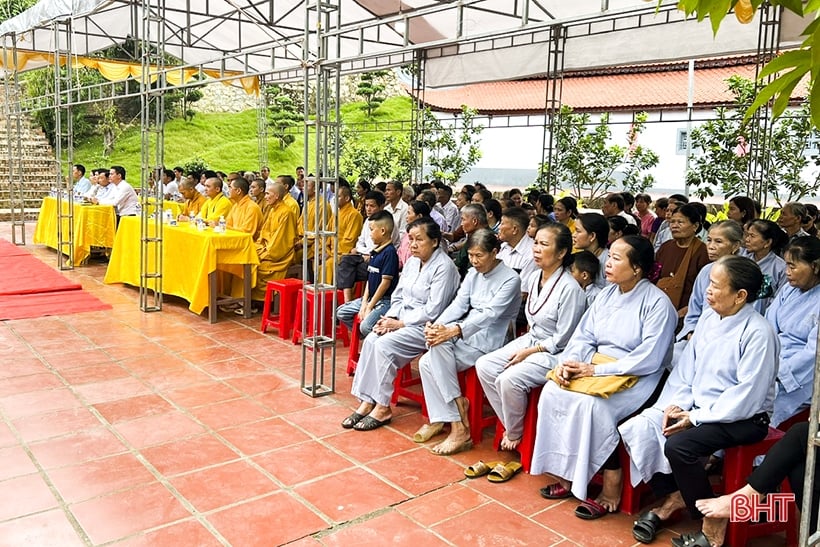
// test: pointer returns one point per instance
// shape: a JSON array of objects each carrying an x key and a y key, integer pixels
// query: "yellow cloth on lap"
[{"x": 599, "y": 386}]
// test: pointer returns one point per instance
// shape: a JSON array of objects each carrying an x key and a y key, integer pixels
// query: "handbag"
[
  {"x": 598, "y": 386},
  {"x": 673, "y": 284}
]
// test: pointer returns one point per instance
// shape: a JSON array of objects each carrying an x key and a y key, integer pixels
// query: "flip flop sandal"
[
  {"x": 504, "y": 472},
  {"x": 427, "y": 432},
  {"x": 590, "y": 510},
  {"x": 369, "y": 423},
  {"x": 646, "y": 527},
  {"x": 352, "y": 420},
  {"x": 479, "y": 469},
  {"x": 555, "y": 491},
  {"x": 692, "y": 540}
]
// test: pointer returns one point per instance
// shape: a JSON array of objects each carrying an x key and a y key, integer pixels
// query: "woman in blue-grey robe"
[
  {"x": 764, "y": 241},
  {"x": 632, "y": 324},
  {"x": 719, "y": 395},
  {"x": 794, "y": 315},
  {"x": 427, "y": 285}
]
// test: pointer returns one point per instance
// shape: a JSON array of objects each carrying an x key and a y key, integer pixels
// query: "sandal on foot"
[
  {"x": 590, "y": 510},
  {"x": 427, "y": 432},
  {"x": 369, "y": 423},
  {"x": 352, "y": 420},
  {"x": 646, "y": 527},
  {"x": 692, "y": 540},
  {"x": 555, "y": 491},
  {"x": 479, "y": 469},
  {"x": 453, "y": 448},
  {"x": 504, "y": 472}
]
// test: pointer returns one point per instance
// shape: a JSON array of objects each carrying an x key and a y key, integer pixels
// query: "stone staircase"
[{"x": 38, "y": 164}]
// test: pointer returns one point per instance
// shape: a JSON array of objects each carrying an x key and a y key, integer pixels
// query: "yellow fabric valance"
[{"x": 121, "y": 70}]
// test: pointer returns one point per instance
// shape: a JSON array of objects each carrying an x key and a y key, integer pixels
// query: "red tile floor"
[{"x": 150, "y": 429}]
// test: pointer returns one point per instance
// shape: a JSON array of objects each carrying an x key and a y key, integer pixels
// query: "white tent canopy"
[{"x": 466, "y": 41}]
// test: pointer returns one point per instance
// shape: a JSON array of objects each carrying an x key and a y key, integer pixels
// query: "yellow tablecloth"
[
  {"x": 188, "y": 256},
  {"x": 94, "y": 225},
  {"x": 176, "y": 208}
]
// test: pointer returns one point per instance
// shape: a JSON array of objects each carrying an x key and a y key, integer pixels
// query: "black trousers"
[
  {"x": 351, "y": 268},
  {"x": 787, "y": 460},
  {"x": 686, "y": 449}
]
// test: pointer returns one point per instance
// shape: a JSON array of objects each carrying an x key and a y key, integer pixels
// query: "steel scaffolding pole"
[
  {"x": 64, "y": 136},
  {"x": 552, "y": 104},
  {"x": 262, "y": 125},
  {"x": 14, "y": 146},
  {"x": 417, "y": 119},
  {"x": 319, "y": 321},
  {"x": 152, "y": 102}
]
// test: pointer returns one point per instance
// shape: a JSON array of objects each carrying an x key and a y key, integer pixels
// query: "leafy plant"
[
  {"x": 282, "y": 115},
  {"x": 371, "y": 87},
  {"x": 452, "y": 149},
  {"x": 195, "y": 165}
]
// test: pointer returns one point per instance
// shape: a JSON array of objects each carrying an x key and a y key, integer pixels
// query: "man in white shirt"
[
  {"x": 445, "y": 205},
  {"x": 81, "y": 183},
  {"x": 266, "y": 174},
  {"x": 396, "y": 206},
  {"x": 122, "y": 197},
  {"x": 516, "y": 245},
  {"x": 169, "y": 184},
  {"x": 101, "y": 187},
  {"x": 614, "y": 206}
]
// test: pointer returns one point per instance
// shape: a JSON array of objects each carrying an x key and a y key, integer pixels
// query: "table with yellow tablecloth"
[
  {"x": 190, "y": 260},
  {"x": 94, "y": 226},
  {"x": 176, "y": 208}
]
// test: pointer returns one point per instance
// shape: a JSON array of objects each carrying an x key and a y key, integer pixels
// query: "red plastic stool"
[
  {"x": 796, "y": 419},
  {"x": 471, "y": 388},
  {"x": 402, "y": 384},
  {"x": 353, "y": 354},
  {"x": 527, "y": 444},
  {"x": 630, "y": 495},
  {"x": 330, "y": 310},
  {"x": 737, "y": 466},
  {"x": 288, "y": 290}
]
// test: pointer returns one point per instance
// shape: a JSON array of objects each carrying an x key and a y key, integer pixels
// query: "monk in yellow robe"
[
  {"x": 288, "y": 181},
  {"x": 311, "y": 207},
  {"x": 217, "y": 205},
  {"x": 257, "y": 194},
  {"x": 350, "y": 226},
  {"x": 275, "y": 243},
  {"x": 244, "y": 215},
  {"x": 193, "y": 200}
]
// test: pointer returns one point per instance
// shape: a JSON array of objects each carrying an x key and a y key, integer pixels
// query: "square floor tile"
[
  {"x": 273, "y": 520},
  {"x": 29, "y": 382},
  {"x": 206, "y": 393},
  {"x": 289, "y": 400},
  {"x": 38, "y": 402},
  {"x": 231, "y": 413},
  {"x": 25, "y": 495},
  {"x": 263, "y": 436},
  {"x": 55, "y": 424},
  {"x": 350, "y": 494},
  {"x": 389, "y": 529},
  {"x": 302, "y": 462},
  {"x": 188, "y": 454},
  {"x": 82, "y": 446},
  {"x": 492, "y": 524},
  {"x": 320, "y": 421},
  {"x": 223, "y": 485},
  {"x": 187, "y": 532},
  {"x": 260, "y": 383},
  {"x": 15, "y": 461},
  {"x": 133, "y": 408},
  {"x": 442, "y": 504},
  {"x": 366, "y": 446},
  {"x": 418, "y": 471},
  {"x": 49, "y": 528},
  {"x": 614, "y": 529},
  {"x": 232, "y": 368},
  {"x": 158, "y": 429},
  {"x": 112, "y": 390},
  {"x": 124, "y": 513},
  {"x": 88, "y": 374},
  {"x": 91, "y": 479}
]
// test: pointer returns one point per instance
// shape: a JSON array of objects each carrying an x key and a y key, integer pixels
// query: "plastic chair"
[
  {"x": 288, "y": 290},
  {"x": 527, "y": 444},
  {"x": 402, "y": 384},
  {"x": 353, "y": 354},
  {"x": 329, "y": 310},
  {"x": 471, "y": 388}
]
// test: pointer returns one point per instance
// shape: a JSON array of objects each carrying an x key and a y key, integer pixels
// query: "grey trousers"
[
  {"x": 507, "y": 389},
  {"x": 380, "y": 360},
  {"x": 439, "y": 369}
]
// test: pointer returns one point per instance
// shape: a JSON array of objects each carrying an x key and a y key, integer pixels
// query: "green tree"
[
  {"x": 371, "y": 88},
  {"x": 587, "y": 162},
  {"x": 12, "y": 8},
  {"x": 451, "y": 151},
  {"x": 283, "y": 115},
  {"x": 789, "y": 67}
]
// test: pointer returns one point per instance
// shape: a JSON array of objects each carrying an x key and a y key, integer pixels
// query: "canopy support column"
[
  {"x": 552, "y": 113},
  {"x": 14, "y": 146},
  {"x": 64, "y": 143}
]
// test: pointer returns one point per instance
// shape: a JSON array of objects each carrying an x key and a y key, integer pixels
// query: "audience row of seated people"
[{"x": 733, "y": 317}]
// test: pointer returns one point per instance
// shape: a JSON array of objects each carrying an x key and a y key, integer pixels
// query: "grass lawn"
[{"x": 226, "y": 141}]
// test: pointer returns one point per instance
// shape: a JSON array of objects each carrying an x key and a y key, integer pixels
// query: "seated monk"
[
  {"x": 350, "y": 226},
  {"x": 217, "y": 205},
  {"x": 245, "y": 215},
  {"x": 275, "y": 244},
  {"x": 193, "y": 200}
]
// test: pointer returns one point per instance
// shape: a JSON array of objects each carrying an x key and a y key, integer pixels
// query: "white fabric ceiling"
[{"x": 263, "y": 36}]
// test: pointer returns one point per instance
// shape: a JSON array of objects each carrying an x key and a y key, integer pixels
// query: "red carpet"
[{"x": 30, "y": 288}]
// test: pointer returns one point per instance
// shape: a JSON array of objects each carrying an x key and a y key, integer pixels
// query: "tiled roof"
[{"x": 663, "y": 89}]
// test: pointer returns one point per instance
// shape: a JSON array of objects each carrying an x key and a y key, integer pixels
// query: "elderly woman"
[
  {"x": 566, "y": 211},
  {"x": 610, "y": 367},
  {"x": 764, "y": 240},
  {"x": 793, "y": 314},
  {"x": 474, "y": 324},
  {"x": 792, "y": 216},
  {"x": 415, "y": 211},
  {"x": 554, "y": 307},
  {"x": 591, "y": 234},
  {"x": 720, "y": 395},
  {"x": 427, "y": 285},
  {"x": 682, "y": 257}
]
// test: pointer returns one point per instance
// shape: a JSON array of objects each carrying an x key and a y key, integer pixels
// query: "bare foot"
[
  {"x": 672, "y": 503},
  {"x": 509, "y": 444},
  {"x": 715, "y": 530},
  {"x": 718, "y": 508},
  {"x": 610, "y": 496},
  {"x": 454, "y": 443},
  {"x": 365, "y": 408}
]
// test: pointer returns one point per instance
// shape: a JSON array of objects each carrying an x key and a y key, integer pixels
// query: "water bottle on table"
[{"x": 222, "y": 225}]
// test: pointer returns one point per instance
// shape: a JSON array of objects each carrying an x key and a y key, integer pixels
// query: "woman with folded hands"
[
  {"x": 719, "y": 395},
  {"x": 427, "y": 285},
  {"x": 610, "y": 367}
]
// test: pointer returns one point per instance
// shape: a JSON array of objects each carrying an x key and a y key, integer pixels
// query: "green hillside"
[{"x": 226, "y": 141}]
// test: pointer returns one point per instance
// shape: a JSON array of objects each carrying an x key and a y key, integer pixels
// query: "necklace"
[{"x": 537, "y": 291}]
